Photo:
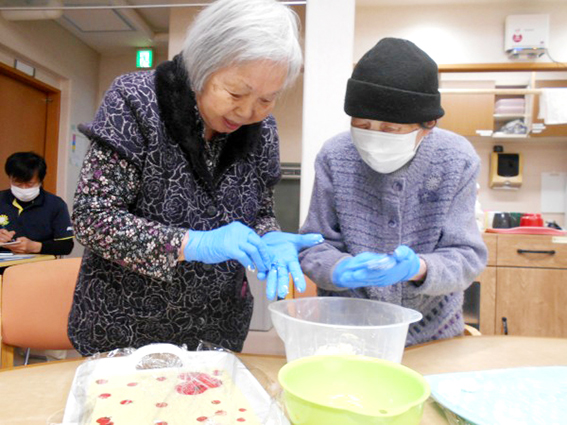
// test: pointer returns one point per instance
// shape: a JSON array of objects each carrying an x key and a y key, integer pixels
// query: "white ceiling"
[
  {"x": 117, "y": 30},
  {"x": 111, "y": 27}
]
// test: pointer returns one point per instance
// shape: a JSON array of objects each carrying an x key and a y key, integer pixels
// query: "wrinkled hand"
[
  {"x": 360, "y": 270},
  {"x": 284, "y": 248},
  {"x": 24, "y": 245},
  {"x": 6, "y": 235},
  {"x": 234, "y": 241}
]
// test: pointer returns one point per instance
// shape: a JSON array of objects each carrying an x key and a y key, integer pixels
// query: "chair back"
[{"x": 35, "y": 305}]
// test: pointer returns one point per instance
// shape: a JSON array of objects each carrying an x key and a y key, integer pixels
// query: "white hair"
[{"x": 230, "y": 32}]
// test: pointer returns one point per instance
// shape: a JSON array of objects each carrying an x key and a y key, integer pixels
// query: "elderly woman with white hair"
[{"x": 175, "y": 197}]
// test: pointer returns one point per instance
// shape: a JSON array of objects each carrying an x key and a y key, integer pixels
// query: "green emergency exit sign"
[{"x": 144, "y": 58}]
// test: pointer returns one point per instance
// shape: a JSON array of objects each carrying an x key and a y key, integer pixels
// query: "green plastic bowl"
[{"x": 352, "y": 390}]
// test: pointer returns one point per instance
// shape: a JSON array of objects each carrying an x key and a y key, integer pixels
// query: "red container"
[{"x": 532, "y": 220}]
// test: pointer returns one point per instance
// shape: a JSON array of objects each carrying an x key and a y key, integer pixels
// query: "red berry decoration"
[
  {"x": 202, "y": 418},
  {"x": 241, "y": 420},
  {"x": 161, "y": 404},
  {"x": 196, "y": 383},
  {"x": 101, "y": 381},
  {"x": 161, "y": 378},
  {"x": 104, "y": 421},
  {"x": 242, "y": 409},
  {"x": 216, "y": 401},
  {"x": 160, "y": 423},
  {"x": 220, "y": 413},
  {"x": 132, "y": 384},
  {"x": 104, "y": 395},
  {"x": 126, "y": 402}
]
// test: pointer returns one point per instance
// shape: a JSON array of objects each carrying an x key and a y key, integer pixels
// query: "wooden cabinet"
[
  {"x": 467, "y": 113},
  {"x": 524, "y": 287},
  {"x": 531, "y": 301},
  {"x": 500, "y": 107}
]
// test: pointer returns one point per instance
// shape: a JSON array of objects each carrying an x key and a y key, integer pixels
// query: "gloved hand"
[
  {"x": 361, "y": 270},
  {"x": 284, "y": 248},
  {"x": 234, "y": 241}
]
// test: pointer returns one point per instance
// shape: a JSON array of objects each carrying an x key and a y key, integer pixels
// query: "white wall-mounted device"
[{"x": 526, "y": 35}]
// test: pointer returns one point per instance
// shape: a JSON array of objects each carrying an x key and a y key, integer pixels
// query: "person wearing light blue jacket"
[{"x": 394, "y": 198}]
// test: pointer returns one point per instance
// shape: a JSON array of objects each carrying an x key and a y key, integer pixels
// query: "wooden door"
[
  {"x": 29, "y": 121},
  {"x": 532, "y": 301},
  {"x": 23, "y": 111}
]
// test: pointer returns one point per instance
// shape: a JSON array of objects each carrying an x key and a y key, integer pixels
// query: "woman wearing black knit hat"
[{"x": 394, "y": 197}]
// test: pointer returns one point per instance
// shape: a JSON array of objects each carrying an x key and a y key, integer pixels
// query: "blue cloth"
[{"x": 526, "y": 395}]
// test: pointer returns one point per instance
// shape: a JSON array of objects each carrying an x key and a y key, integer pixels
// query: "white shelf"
[
  {"x": 509, "y": 117},
  {"x": 509, "y": 136}
]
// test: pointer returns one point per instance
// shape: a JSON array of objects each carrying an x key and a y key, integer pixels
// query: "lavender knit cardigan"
[{"x": 428, "y": 205}]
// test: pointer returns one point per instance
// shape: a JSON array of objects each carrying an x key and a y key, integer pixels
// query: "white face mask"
[
  {"x": 25, "y": 195},
  {"x": 384, "y": 152}
]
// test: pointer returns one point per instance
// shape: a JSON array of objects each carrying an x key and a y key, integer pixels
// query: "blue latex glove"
[
  {"x": 284, "y": 248},
  {"x": 234, "y": 241},
  {"x": 361, "y": 270}
]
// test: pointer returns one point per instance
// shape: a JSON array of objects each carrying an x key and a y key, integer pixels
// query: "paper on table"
[{"x": 15, "y": 257}]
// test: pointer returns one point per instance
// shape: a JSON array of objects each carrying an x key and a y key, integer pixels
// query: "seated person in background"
[
  {"x": 35, "y": 220},
  {"x": 395, "y": 197}
]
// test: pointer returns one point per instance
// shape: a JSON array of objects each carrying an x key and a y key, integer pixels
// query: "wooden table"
[{"x": 37, "y": 394}]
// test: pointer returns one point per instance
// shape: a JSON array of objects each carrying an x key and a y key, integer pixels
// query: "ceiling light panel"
[{"x": 103, "y": 20}]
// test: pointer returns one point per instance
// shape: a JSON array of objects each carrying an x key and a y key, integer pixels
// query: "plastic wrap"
[
  {"x": 517, "y": 396},
  {"x": 168, "y": 385}
]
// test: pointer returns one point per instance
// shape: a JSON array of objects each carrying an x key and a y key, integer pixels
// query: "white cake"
[{"x": 167, "y": 397}]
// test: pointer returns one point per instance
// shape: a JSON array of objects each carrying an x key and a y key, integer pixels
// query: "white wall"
[
  {"x": 328, "y": 65},
  {"x": 111, "y": 67},
  {"x": 461, "y": 33},
  {"x": 66, "y": 63}
]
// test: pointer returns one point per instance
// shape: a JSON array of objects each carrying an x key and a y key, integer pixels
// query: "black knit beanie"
[{"x": 395, "y": 81}]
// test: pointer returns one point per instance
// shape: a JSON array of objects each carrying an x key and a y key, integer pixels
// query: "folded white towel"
[
  {"x": 509, "y": 110},
  {"x": 516, "y": 101},
  {"x": 553, "y": 106}
]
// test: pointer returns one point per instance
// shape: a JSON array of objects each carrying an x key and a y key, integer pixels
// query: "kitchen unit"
[{"x": 524, "y": 286}]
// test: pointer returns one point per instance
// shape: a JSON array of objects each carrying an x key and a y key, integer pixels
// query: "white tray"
[{"x": 265, "y": 408}]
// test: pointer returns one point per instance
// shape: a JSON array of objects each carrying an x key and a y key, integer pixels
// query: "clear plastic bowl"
[{"x": 342, "y": 326}]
